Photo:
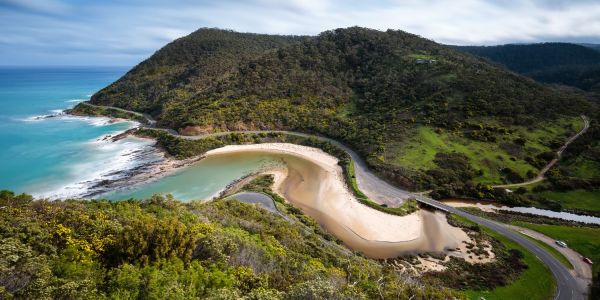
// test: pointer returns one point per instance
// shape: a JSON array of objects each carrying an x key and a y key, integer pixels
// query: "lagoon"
[{"x": 202, "y": 180}]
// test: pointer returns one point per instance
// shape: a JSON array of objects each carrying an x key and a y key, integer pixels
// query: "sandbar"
[{"x": 313, "y": 181}]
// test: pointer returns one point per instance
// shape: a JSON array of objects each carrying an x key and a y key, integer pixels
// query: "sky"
[{"x": 123, "y": 33}]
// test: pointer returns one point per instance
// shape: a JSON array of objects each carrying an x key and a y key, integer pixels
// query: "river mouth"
[
  {"x": 201, "y": 180},
  {"x": 311, "y": 180}
]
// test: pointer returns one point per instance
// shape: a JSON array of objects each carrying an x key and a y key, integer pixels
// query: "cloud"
[
  {"x": 125, "y": 32},
  {"x": 37, "y": 6}
]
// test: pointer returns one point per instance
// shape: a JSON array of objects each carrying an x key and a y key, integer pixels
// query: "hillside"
[
  {"x": 533, "y": 57},
  {"x": 593, "y": 46},
  {"x": 188, "y": 64},
  {"x": 561, "y": 63},
  {"x": 390, "y": 95},
  {"x": 160, "y": 248}
]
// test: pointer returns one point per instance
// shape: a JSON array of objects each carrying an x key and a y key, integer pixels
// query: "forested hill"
[
  {"x": 534, "y": 57},
  {"x": 377, "y": 71},
  {"x": 368, "y": 88},
  {"x": 195, "y": 62},
  {"x": 593, "y": 46},
  {"x": 561, "y": 63}
]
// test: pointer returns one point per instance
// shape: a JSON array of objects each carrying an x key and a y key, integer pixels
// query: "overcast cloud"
[{"x": 112, "y": 32}]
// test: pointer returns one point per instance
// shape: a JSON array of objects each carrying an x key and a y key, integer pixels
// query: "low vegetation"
[
  {"x": 506, "y": 268},
  {"x": 576, "y": 200},
  {"x": 536, "y": 282},
  {"x": 574, "y": 183},
  {"x": 160, "y": 248},
  {"x": 264, "y": 184},
  {"x": 516, "y": 154}
]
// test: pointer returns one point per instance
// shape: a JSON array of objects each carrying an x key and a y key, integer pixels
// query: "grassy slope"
[
  {"x": 577, "y": 199},
  {"x": 419, "y": 151},
  {"x": 584, "y": 240},
  {"x": 584, "y": 167},
  {"x": 535, "y": 283}
]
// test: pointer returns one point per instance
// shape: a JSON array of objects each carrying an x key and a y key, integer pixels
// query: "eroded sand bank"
[{"x": 313, "y": 181}]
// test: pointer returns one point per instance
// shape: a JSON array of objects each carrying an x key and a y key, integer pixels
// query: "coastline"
[
  {"x": 313, "y": 181},
  {"x": 319, "y": 189},
  {"x": 116, "y": 158}
]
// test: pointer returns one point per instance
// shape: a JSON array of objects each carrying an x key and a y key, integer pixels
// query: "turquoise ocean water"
[
  {"x": 57, "y": 156},
  {"x": 64, "y": 156}
]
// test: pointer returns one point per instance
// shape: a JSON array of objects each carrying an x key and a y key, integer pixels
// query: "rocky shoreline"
[
  {"x": 152, "y": 163},
  {"x": 155, "y": 164}
]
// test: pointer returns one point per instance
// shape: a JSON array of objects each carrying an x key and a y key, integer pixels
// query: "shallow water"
[
  {"x": 305, "y": 185},
  {"x": 202, "y": 180},
  {"x": 60, "y": 156},
  {"x": 489, "y": 206}
]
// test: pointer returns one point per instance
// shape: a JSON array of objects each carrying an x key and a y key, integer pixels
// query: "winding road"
[{"x": 379, "y": 190}]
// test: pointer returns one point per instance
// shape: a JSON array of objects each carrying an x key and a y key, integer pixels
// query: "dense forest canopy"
[
  {"x": 561, "y": 63},
  {"x": 593, "y": 46},
  {"x": 525, "y": 58},
  {"x": 370, "y": 89}
]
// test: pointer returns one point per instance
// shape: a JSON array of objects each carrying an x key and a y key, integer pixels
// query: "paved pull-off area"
[
  {"x": 581, "y": 270},
  {"x": 567, "y": 287}
]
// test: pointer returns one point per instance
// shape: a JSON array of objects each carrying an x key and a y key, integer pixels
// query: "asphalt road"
[
  {"x": 582, "y": 271},
  {"x": 379, "y": 190},
  {"x": 261, "y": 199},
  {"x": 566, "y": 285},
  {"x": 383, "y": 192}
]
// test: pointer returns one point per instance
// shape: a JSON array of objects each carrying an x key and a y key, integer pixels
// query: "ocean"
[
  {"x": 51, "y": 155},
  {"x": 48, "y": 154}
]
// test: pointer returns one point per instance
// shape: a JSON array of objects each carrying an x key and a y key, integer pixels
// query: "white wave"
[
  {"x": 75, "y": 100},
  {"x": 53, "y": 113},
  {"x": 109, "y": 161},
  {"x": 94, "y": 121}
]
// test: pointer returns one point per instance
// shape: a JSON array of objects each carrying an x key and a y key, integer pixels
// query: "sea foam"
[
  {"x": 109, "y": 161},
  {"x": 75, "y": 100}
]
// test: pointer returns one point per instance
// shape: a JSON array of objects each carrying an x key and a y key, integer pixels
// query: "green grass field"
[
  {"x": 584, "y": 240},
  {"x": 577, "y": 199},
  {"x": 583, "y": 167},
  {"x": 419, "y": 151},
  {"x": 536, "y": 282}
]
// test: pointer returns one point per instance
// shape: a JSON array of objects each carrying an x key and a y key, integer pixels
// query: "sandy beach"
[{"x": 313, "y": 181}]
